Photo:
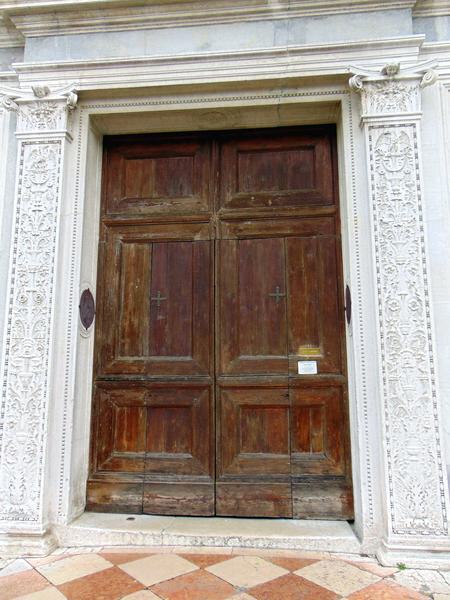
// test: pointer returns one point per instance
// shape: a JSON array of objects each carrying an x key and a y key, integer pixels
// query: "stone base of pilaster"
[
  {"x": 415, "y": 553},
  {"x": 15, "y": 545}
]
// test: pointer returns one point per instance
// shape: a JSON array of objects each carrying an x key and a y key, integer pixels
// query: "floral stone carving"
[
  {"x": 25, "y": 402},
  {"x": 417, "y": 495}
]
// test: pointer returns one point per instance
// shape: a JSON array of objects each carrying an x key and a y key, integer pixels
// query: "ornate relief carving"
[
  {"x": 41, "y": 109},
  {"x": 28, "y": 334},
  {"x": 413, "y": 449},
  {"x": 391, "y": 97},
  {"x": 23, "y": 410},
  {"x": 40, "y": 116},
  {"x": 387, "y": 95}
]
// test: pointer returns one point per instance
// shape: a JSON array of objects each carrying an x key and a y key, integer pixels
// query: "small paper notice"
[{"x": 307, "y": 367}]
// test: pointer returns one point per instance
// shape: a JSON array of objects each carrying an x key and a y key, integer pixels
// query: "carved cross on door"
[
  {"x": 158, "y": 299},
  {"x": 277, "y": 294}
]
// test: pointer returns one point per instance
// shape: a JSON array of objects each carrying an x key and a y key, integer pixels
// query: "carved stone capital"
[
  {"x": 40, "y": 109},
  {"x": 392, "y": 91}
]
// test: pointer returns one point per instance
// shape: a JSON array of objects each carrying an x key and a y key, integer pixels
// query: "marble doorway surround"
[{"x": 401, "y": 496}]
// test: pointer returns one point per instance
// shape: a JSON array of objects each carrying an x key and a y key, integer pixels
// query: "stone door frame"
[{"x": 59, "y": 471}]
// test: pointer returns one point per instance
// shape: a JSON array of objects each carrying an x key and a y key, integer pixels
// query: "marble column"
[
  {"x": 415, "y": 494},
  {"x": 42, "y": 132}
]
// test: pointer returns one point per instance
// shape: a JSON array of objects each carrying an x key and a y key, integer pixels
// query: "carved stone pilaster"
[
  {"x": 417, "y": 498},
  {"x": 42, "y": 123}
]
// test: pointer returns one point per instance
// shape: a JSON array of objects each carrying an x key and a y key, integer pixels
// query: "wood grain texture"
[{"x": 220, "y": 270}]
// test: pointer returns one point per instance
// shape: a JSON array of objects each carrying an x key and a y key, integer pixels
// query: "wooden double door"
[{"x": 220, "y": 384}]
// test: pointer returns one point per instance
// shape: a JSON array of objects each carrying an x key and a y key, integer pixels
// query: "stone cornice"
[
  {"x": 319, "y": 60},
  {"x": 431, "y": 8},
  {"x": 39, "y": 18},
  {"x": 9, "y": 36}
]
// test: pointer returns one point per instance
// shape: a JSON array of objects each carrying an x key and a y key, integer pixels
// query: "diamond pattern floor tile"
[
  {"x": 375, "y": 568},
  {"x": 212, "y": 574},
  {"x": 73, "y": 567},
  {"x": 48, "y": 593},
  {"x": 119, "y": 558},
  {"x": 19, "y": 584},
  {"x": 199, "y": 585},
  {"x": 386, "y": 590},
  {"x": 247, "y": 571},
  {"x": 205, "y": 560},
  {"x": 291, "y": 587},
  {"x": 337, "y": 576},
  {"x": 142, "y": 595},
  {"x": 16, "y": 566},
  {"x": 291, "y": 564},
  {"x": 158, "y": 568},
  {"x": 110, "y": 584}
]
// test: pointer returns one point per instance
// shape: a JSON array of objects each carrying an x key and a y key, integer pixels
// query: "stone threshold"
[{"x": 102, "y": 529}]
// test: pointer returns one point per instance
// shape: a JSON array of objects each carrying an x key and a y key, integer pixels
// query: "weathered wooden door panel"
[
  {"x": 252, "y": 291},
  {"x": 159, "y": 298},
  {"x": 320, "y": 465},
  {"x": 253, "y": 449},
  {"x": 318, "y": 441},
  {"x": 148, "y": 438},
  {"x": 276, "y": 170},
  {"x": 117, "y": 450},
  {"x": 255, "y": 425},
  {"x": 313, "y": 311},
  {"x": 161, "y": 176},
  {"x": 276, "y": 444},
  {"x": 179, "y": 457}
]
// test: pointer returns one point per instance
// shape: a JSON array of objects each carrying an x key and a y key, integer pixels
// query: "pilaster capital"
[
  {"x": 39, "y": 109},
  {"x": 393, "y": 92}
]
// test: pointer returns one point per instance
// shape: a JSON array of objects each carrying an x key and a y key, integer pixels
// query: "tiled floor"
[{"x": 212, "y": 574}]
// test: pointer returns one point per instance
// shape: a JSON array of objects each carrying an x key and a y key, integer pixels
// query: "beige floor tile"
[
  {"x": 280, "y": 552},
  {"x": 45, "y": 560},
  {"x": 142, "y": 595},
  {"x": 243, "y": 596},
  {"x": 201, "y": 550},
  {"x": 375, "y": 569},
  {"x": 138, "y": 549},
  {"x": 16, "y": 566},
  {"x": 246, "y": 571},
  {"x": 73, "y": 567},
  {"x": 441, "y": 597},
  {"x": 337, "y": 576},
  {"x": 423, "y": 580},
  {"x": 50, "y": 593},
  {"x": 157, "y": 568}
]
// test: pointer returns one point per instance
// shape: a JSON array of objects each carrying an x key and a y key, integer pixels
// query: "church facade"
[{"x": 225, "y": 239}]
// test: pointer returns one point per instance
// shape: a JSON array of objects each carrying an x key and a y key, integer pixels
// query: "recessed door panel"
[
  {"x": 275, "y": 171},
  {"x": 252, "y": 292},
  {"x": 314, "y": 331},
  {"x": 179, "y": 458},
  {"x": 162, "y": 177},
  {"x": 158, "y": 306}
]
